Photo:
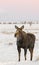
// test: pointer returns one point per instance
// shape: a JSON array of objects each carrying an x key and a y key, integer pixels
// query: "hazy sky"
[{"x": 19, "y": 10}]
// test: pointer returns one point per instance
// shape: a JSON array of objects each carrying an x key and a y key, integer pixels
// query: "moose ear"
[
  {"x": 16, "y": 27},
  {"x": 22, "y": 27}
]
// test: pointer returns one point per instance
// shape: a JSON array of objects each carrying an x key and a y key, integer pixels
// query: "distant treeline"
[{"x": 22, "y": 22}]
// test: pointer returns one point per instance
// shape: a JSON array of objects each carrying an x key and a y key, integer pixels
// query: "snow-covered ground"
[{"x": 8, "y": 48}]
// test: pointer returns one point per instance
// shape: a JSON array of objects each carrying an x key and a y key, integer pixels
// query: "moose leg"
[
  {"x": 31, "y": 52},
  {"x": 19, "y": 51},
  {"x": 25, "y": 51}
]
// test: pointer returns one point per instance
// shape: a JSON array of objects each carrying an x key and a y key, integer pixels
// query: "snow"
[{"x": 8, "y": 52}]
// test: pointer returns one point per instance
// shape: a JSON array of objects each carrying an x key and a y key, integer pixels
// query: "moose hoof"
[
  {"x": 19, "y": 60},
  {"x": 25, "y": 58},
  {"x": 31, "y": 59}
]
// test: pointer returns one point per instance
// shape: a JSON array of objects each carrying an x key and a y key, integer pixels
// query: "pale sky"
[{"x": 19, "y": 10}]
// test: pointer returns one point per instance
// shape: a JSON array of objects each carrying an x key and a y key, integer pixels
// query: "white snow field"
[{"x": 8, "y": 48}]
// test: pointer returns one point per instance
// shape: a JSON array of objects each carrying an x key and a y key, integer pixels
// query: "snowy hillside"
[{"x": 8, "y": 48}]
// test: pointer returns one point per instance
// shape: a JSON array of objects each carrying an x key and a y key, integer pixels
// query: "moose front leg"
[
  {"x": 19, "y": 51},
  {"x": 25, "y": 51}
]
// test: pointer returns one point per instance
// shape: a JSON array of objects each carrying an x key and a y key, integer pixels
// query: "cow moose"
[{"x": 25, "y": 41}]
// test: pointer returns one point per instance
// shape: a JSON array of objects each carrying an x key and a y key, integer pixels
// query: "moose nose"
[{"x": 15, "y": 35}]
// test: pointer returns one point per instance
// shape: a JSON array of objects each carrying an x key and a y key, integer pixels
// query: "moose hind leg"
[
  {"x": 31, "y": 53},
  {"x": 19, "y": 51},
  {"x": 25, "y": 51}
]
